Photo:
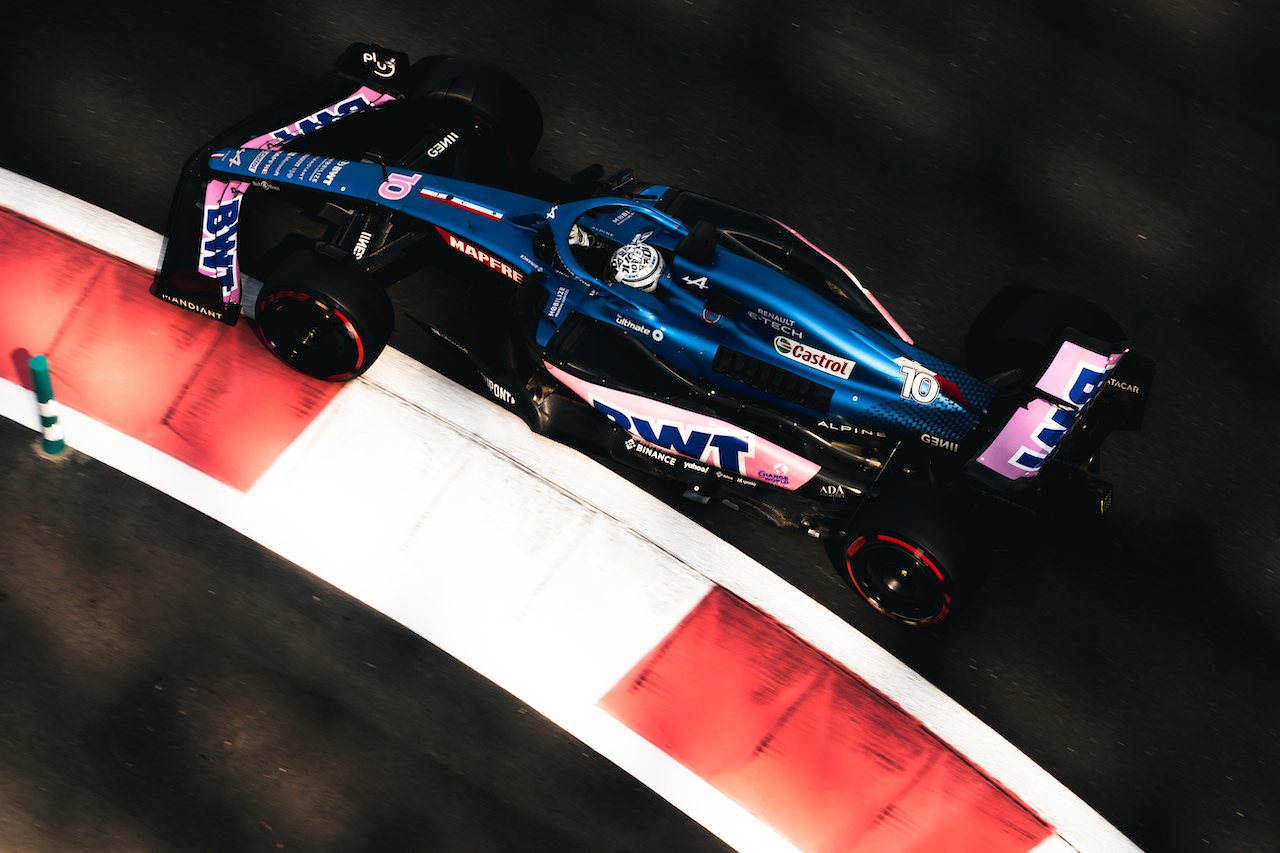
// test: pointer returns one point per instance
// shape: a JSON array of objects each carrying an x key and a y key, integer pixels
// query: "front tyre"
[{"x": 324, "y": 317}]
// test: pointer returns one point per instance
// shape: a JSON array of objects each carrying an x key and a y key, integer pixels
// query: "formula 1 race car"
[{"x": 670, "y": 332}]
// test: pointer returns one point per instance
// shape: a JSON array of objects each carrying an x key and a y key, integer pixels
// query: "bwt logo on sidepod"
[
  {"x": 723, "y": 449},
  {"x": 826, "y": 362}
]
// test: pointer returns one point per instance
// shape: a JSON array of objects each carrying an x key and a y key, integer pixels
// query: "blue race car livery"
[{"x": 712, "y": 347}]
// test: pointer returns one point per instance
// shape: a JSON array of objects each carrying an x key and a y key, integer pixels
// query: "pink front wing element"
[
  {"x": 219, "y": 256},
  {"x": 361, "y": 99},
  {"x": 706, "y": 439}
]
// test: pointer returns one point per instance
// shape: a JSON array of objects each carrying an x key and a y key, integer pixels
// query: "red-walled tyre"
[
  {"x": 904, "y": 553},
  {"x": 326, "y": 318}
]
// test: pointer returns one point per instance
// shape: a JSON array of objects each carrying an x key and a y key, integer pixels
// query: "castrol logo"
[{"x": 826, "y": 362}]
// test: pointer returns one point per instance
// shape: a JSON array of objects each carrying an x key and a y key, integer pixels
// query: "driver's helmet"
[{"x": 638, "y": 265}]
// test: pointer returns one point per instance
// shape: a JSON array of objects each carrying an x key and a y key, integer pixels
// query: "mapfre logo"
[
  {"x": 493, "y": 262},
  {"x": 826, "y": 362}
]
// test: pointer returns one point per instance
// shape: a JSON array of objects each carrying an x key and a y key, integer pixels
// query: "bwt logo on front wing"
[{"x": 826, "y": 362}]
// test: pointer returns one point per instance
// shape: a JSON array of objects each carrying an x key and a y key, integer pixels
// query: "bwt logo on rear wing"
[{"x": 1070, "y": 383}]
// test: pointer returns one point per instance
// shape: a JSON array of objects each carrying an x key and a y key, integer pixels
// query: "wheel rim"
[
  {"x": 898, "y": 579},
  {"x": 310, "y": 335}
]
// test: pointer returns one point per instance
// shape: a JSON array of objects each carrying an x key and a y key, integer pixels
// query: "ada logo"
[
  {"x": 832, "y": 490},
  {"x": 824, "y": 361}
]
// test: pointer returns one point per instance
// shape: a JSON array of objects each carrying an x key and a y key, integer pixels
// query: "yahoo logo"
[{"x": 722, "y": 449}]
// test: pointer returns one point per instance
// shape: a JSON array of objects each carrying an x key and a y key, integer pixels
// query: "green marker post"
[{"x": 52, "y": 442}]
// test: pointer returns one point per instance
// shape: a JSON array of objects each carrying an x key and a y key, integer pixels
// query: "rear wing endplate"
[{"x": 1060, "y": 397}]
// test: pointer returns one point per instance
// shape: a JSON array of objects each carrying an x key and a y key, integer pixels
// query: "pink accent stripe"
[
  {"x": 902, "y": 333},
  {"x": 365, "y": 96},
  {"x": 807, "y": 746}
]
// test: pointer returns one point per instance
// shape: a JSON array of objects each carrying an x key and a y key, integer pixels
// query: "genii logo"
[{"x": 826, "y": 362}]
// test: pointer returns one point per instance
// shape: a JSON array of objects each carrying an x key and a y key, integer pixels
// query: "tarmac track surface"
[
  {"x": 171, "y": 685},
  {"x": 942, "y": 151}
]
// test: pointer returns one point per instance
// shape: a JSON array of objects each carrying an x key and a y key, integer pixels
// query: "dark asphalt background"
[{"x": 1126, "y": 152}]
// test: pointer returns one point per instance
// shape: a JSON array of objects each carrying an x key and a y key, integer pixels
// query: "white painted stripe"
[
  {"x": 526, "y": 560},
  {"x": 49, "y": 409}
]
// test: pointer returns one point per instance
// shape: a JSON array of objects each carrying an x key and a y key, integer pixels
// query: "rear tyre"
[
  {"x": 903, "y": 553},
  {"x": 324, "y": 317},
  {"x": 1021, "y": 326}
]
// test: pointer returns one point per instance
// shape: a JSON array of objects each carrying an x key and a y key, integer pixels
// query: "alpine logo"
[{"x": 824, "y": 361}]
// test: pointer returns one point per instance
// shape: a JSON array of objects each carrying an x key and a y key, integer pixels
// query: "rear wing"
[
  {"x": 1056, "y": 410},
  {"x": 201, "y": 269}
]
